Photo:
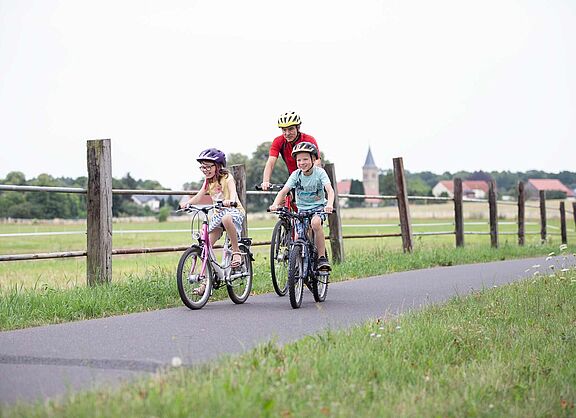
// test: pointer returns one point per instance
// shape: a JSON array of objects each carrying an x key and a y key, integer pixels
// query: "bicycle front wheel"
[
  {"x": 296, "y": 275},
  {"x": 279, "y": 253},
  {"x": 239, "y": 285},
  {"x": 194, "y": 289}
]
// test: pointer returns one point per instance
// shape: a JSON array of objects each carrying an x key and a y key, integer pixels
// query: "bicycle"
[
  {"x": 199, "y": 272},
  {"x": 282, "y": 235},
  {"x": 303, "y": 255}
]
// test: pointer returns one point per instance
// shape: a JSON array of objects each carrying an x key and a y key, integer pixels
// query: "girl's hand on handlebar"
[{"x": 229, "y": 203}]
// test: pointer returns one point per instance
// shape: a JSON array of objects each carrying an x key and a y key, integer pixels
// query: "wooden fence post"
[
  {"x": 334, "y": 220},
  {"x": 403, "y": 205},
  {"x": 542, "y": 195},
  {"x": 239, "y": 174},
  {"x": 458, "y": 212},
  {"x": 521, "y": 213},
  {"x": 563, "y": 223},
  {"x": 493, "y": 214},
  {"x": 99, "y": 212}
]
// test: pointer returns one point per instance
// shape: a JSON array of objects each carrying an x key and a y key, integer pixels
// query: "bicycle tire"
[
  {"x": 320, "y": 286},
  {"x": 296, "y": 275},
  {"x": 188, "y": 280},
  {"x": 279, "y": 253},
  {"x": 239, "y": 289}
]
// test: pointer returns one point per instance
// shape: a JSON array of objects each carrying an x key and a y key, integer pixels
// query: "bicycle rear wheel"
[
  {"x": 194, "y": 290},
  {"x": 296, "y": 275},
  {"x": 239, "y": 285},
  {"x": 279, "y": 253}
]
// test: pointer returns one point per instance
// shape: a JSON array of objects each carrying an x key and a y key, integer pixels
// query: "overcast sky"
[{"x": 447, "y": 85}]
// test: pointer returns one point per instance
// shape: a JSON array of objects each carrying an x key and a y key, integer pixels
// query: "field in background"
[{"x": 131, "y": 234}]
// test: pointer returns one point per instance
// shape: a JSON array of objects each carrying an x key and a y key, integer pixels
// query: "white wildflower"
[
  {"x": 548, "y": 258},
  {"x": 564, "y": 270},
  {"x": 563, "y": 247},
  {"x": 536, "y": 273},
  {"x": 535, "y": 266},
  {"x": 397, "y": 326},
  {"x": 176, "y": 362},
  {"x": 551, "y": 254}
]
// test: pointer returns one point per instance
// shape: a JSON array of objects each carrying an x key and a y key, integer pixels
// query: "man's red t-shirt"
[{"x": 284, "y": 148}]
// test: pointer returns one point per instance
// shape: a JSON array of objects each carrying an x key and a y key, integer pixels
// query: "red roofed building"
[
  {"x": 477, "y": 189},
  {"x": 534, "y": 186},
  {"x": 344, "y": 187}
]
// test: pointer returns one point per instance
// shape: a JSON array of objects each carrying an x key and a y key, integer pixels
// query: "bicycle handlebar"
[
  {"x": 205, "y": 208},
  {"x": 273, "y": 186},
  {"x": 300, "y": 215}
]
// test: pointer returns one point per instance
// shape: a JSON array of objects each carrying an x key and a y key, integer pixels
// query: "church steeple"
[
  {"x": 369, "y": 163},
  {"x": 370, "y": 178}
]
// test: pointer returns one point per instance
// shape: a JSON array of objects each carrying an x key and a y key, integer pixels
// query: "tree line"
[
  {"x": 45, "y": 205},
  {"x": 50, "y": 205}
]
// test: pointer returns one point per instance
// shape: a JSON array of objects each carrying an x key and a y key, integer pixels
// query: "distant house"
[
  {"x": 477, "y": 189},
  {"x": 153, "y": 202},
  {"x": 534, "y": 186}
]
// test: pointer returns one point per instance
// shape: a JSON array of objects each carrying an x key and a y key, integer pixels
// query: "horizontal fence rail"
[{"x": 101, "y": 180}]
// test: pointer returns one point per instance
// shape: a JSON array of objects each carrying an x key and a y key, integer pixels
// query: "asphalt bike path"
[{"x": 50, "y": 361}]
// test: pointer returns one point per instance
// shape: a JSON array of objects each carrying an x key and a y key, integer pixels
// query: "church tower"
[{"x": 370, "y": 179}]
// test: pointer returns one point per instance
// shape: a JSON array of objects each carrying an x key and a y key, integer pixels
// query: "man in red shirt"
[{"x": 289, "y": 122}]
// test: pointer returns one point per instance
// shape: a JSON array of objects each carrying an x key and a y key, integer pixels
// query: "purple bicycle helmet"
[{"x": 212, "y": 154}]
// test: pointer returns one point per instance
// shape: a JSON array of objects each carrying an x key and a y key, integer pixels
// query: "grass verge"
[
  {"x": 25, "y": 307},
  {"x": 504, "y": 352}
]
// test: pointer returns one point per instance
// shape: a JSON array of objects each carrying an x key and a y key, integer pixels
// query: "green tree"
[
  {"x": 163, "y": 213},
  {"x": 418, "y": 187},
  {"x": 356, "y": 188},
  {"x": 16, "y": 178},
  {"x": 387, "y": 183}
]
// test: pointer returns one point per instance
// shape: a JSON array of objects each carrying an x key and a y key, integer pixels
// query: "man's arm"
[{"x": 268, "y": 169}]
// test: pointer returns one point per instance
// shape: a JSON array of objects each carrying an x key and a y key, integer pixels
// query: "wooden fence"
[{"x": 99, "y": 214}]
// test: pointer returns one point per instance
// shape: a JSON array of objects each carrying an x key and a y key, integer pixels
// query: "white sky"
[{"x": 448, "y": 85}]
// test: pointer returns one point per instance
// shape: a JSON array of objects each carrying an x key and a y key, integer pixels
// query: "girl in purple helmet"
[{"x": 219, "y": 184}]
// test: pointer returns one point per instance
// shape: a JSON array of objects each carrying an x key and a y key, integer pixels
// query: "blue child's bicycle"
[{"x": 302, "y": 260}]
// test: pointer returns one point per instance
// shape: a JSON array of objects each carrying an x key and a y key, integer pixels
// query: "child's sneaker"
[{"x": 323, "y": 264}]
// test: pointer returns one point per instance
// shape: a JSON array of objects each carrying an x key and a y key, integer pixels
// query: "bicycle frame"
[
  {"x": 303, "y": 251},
  {"x": 199, "y": 272},
  {"x": 302, "y": 218},
  {"x": 222, "y": 270}
]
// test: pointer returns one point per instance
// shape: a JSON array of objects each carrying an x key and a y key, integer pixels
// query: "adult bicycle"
[
  {"x": 282, "y": 235},
  {"x": 302, "y": 260},
  {"x": 199, "y": 271}
]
